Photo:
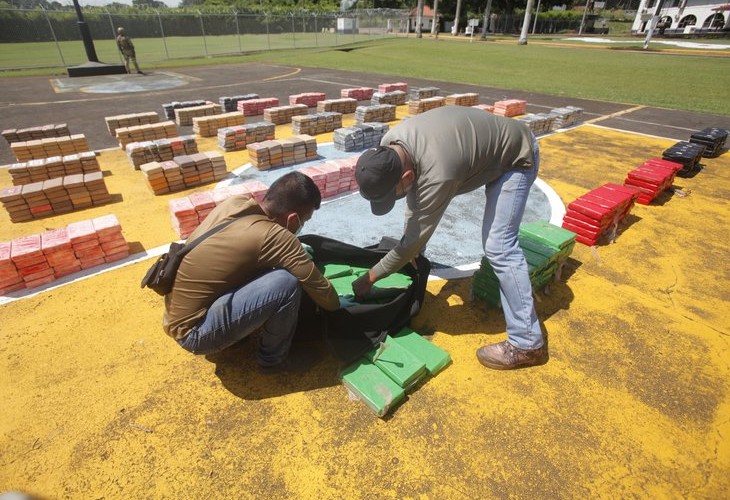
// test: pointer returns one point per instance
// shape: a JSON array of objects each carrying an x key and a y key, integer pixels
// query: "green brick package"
[{"x": 546, "y": 248}]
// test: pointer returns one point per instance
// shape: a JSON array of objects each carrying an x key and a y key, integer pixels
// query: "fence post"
[
  {"x": 293, "y": 31},
  {"x": 114, "y": 32},
  {"x": 202, "y": 28},
  {"x": 238, "y": 32},
  {"x": 268, "y": 35},
  {"x": 53, "y": 34},
  {"x": 316, "y": 40},
  {"x": 162, "y": 31}
]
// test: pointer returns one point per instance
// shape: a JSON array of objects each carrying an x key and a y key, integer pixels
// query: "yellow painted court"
[{"x": 97, "y": 402}]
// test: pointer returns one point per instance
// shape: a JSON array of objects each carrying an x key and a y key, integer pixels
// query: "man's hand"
[
  {"x": 361, "y": 286},
  {"x": 347, "y": 301}
]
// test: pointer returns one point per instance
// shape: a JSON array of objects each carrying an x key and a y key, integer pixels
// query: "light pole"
[{"x": 93, "y": 66}]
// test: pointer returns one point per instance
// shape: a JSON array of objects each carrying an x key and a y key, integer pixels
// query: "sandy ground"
[{"x": 98, "y": 403}]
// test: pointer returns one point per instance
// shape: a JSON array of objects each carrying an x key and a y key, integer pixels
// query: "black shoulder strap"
[{"x": 209, "y": 232}]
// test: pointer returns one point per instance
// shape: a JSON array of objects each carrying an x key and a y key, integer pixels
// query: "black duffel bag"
[{"x": 352, "y": 331}]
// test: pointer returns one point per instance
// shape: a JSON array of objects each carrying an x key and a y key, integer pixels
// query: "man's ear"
[{"x": 408, "y": 177}]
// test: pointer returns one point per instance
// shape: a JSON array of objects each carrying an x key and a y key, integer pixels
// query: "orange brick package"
[
  {"x": 40, "y": 132},
  {"x": 346, "y": 105},
  {"x": 486, "y": 107},
  {"x": 358, "y": 93},
  {"x": 390, "y": 87},
  {"x": 184, "y": 116},
  {"x": 396, "y": 98},
  {"x": 54, "y": 196},
  {"x": 316, "y": 123},
  {"x": 52, "y": 167},
  {"x": 510, "y": 107},
  {"x": 467, "y": 99},
  {"x": 279, "y": 115},
  {"x": 375, "y": 113},
  {"x": 270, "y": 154},
  {"x": 148, "y": 132},
  {"x": 309, "y": 98},
  {"x": 333, "y": 177},
  {"x": 51, "y": 146},
  {"x": 207, "y": 126},
  {"x": 184, "y": 171},
  {"x": 255, "y": 107},
  {"x": 130, "y": 120},
  {"x": 423, "y": 105},
  {"x": 143, "y": 152},
  {"x": 187, "y": 213},
  {"x": 38, "y": 259},
  {"x": 237, "y": 138}
]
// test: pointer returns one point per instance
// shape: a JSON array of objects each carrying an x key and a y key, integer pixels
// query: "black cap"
[{"x": 377, "y": 173}]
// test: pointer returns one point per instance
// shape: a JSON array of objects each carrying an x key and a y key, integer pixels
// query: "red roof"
[{"x": 427, "y": 12}]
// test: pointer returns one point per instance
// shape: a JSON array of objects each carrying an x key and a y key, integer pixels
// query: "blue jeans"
[
  {"x": 269, "y": 302},
  {"x": 506, "y": 200}
]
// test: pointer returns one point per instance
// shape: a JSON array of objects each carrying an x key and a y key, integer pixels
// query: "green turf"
[{"x": 695, "y": 82}]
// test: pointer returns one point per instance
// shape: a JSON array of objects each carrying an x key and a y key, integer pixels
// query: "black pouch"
[
  {"x": 161, "y": 275},
  {"x": 352, "y": 331}
]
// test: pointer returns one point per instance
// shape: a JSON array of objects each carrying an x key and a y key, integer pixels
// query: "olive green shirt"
[
  {"x": 454, "y": 150},
  {"x": 233, "y": 256}
]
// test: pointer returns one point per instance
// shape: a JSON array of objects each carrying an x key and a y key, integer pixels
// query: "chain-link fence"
[{"x": 43, "y": 38}]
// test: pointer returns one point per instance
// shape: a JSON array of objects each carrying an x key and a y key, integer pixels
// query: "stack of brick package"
[
  {"x": 396, "y": 98},
  {"x": 50, "y": 146},
  {"x": 184, "y": 171},
  {"x": 208, "y": 126},
  {"x": 140, "y": 153},
  {"x": 270, "y": 154},
  {"x": 466, "y": 99},
  {"x": 484, "y": 107},
  {"x": 316, "y": 123},
  {"x": 510, "y": 107},
  {"x": 346, "y": 105},
  {"x": 546, "y": 248},
  {"x": 712, "y": 138},
  {"x": 169, "y": 108},
  {"x": 416, "y": 94},
  {"x": 279, "y": 115},
  {"x": 41, "y": 132},
  {"x": 539, "y": 123},
  {"x": 423, "y": 105},
  {"x": 148, "y": 132},
  {"x": 359, "y": 137},
  {"x": 229, "y": 104},
  {"x": 651, "y": 178},
  {"x": 379, "y": 113},
  {"x": 391, "y": 87},
  {"x": 311, "y": 99},
  {"x": 255, "y": 107},
  {"x": 567, "y": 116},
  {"x": 10, "y": 278},
  {"x": 54, "y": 196},
  {"x": 333, "y": 177},
  {"x": 52, "y": 167},
  {"x": 187, "y": 213},
  {"x": 688, "y": 154},
  {"x": 358, "y": 93},
  {"x": 184, "y": 116},
  {"x": 237, "y": 138},
  {"x": 130, "y": 120},
  {"x": 38, "y": 259},
  {"x": 599, "y": 212}
]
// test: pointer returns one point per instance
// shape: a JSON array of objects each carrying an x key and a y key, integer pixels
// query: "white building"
[{"x": 684, "y": 16}]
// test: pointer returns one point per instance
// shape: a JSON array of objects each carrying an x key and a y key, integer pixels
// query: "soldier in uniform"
[{"x": 126, "y": 47}]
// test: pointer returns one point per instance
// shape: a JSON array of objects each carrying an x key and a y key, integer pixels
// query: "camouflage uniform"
[{"x": 126, "y": 47}]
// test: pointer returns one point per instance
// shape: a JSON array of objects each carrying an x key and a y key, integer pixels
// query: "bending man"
[
  {"x": 434, "y": 156},
  {"x": 249, "y": 276}
]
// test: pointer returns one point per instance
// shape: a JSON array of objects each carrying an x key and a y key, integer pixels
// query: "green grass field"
[{"x": 694, "y": 80}]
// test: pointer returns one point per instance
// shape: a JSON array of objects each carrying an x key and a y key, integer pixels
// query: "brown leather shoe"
[{"x": 505, "y": 356}]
